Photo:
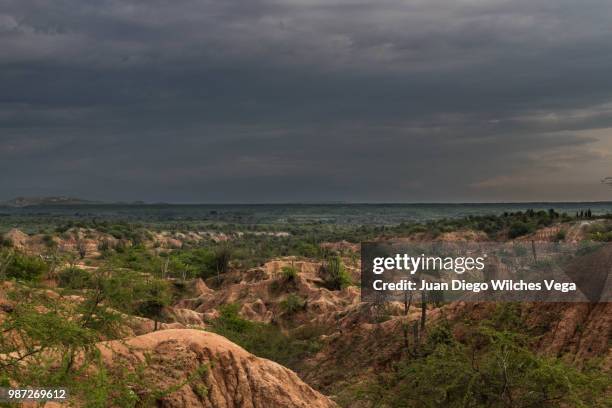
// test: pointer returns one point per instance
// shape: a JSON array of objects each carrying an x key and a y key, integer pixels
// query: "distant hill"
[{"x": 33, "y": 201}]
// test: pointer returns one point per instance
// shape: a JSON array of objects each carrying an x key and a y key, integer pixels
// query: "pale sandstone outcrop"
[
  {"x": 17, "y": 238},
  {"x": 234, "y": 378}
]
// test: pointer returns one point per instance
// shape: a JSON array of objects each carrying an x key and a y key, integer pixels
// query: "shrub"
[
  {"x": 222, "y": 258},
  {"x": 48, "y": 241},
  {"x": 560, "y": 236},
  {"x": 307, "y": 249},
  {"x": 289, "y": 273},
  {"x": 492, "y": 368},
  {"x": 292, "y": 304},
  {"x": 263, "y": 340},
  {"x": 136, "y": 258},
  {"x": 601, "y": 232},
  {"x": 44, "y": 342},
  {"x": 104, "y": 245},
  {"x": 25, "y": 267},
  {"x": 334, "y": 274},
  {"x": 519, "y": 228},
  {"x": 603, "y": 237},
  {"x": 75, "y": 278}
]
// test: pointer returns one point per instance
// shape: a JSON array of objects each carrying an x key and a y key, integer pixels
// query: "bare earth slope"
[{"x": 234, "y": 378}]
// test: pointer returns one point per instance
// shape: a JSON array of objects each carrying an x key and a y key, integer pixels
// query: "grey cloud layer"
[{"x": 266, "y": 100}]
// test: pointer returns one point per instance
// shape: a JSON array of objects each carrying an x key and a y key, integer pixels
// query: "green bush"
[
  {"x": 307, "y": 249},
  {"x": 56, "y": 347},
  {"x": 490, "y": 368},
  {"x": 560, "y": 236},
  {"x": 137, "y": 258},
  {"x": 601, "y": 232},
  {"x": 334, "y": 274},
  {"x": 289, "y": 273},
  {"x": 222, "y": 258},
  {"x": 519, "y": 228},
  {"x": 292, "y": 304},
  {"x": 263, "y": 340},
  {"x": 75, "y": 278},
  {"x": 48, "y": 241},
  {"x": 603, "y": 237},
  {"x": 24, "y": 267}
]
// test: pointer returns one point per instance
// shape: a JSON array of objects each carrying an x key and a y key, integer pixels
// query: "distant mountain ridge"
[{"x": 57, "y": 200}]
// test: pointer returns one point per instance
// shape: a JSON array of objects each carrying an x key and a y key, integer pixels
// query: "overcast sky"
[{"x": 306, "y": 100}]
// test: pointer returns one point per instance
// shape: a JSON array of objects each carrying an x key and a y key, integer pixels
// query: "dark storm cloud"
[{"x": 262, "y": 100}]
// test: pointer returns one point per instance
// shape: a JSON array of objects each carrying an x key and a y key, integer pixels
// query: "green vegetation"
[
  {"x": 263, "y": 340},
  {"x": 251, "y": 243},
  {"x": 503, "y": 373},
  {"x": 492, "y": 366},
  {"x": 48, "y": 240},
  {"x": 179, "y": 264},
  {"x": 155, "y": 295},
  {"x": 292, "y": 304},
  {"x": 512, "y": 224},
  {"x": 17, "y": 265},
  {"x": 136, "y": 258},
  {"x": 74, "y": 278},
  {"x": 48, "y": 341},
  {"x": 560, "y": 236},
  {"x": 289, "y": 273},
  {"x": 334, "y": 274},
  {"x": 520, "y": 228},
  {"x": 601, "y": 232}
]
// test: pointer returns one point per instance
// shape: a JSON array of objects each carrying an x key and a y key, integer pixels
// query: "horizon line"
[{"x": 333, "y": 202}]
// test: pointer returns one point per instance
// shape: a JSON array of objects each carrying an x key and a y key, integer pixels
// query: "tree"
[
  {"x": 81, "y": 246},
  {"x": 222, "y": 258},
  {"x": 490, "y": 368},
  {"x": 156, "y": 298},
  {"x": 56, "y": 345}
]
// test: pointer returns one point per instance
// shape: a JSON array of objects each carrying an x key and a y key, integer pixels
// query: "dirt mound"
[
  {"x": 185, "y": 317},
  {"x": 232, "y": 377},
  {"x": 83, "y": 241},
  {"x": 575, "y": 331},
  {"x": 200, "y": 287},
  {"x": 89, "y": 242},
  {"x": 17, "y": 238}
]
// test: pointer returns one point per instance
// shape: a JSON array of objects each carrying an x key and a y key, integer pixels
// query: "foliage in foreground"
[
  {"x": 492, "y": 366},
  {"x": 48, "y": 342}
]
